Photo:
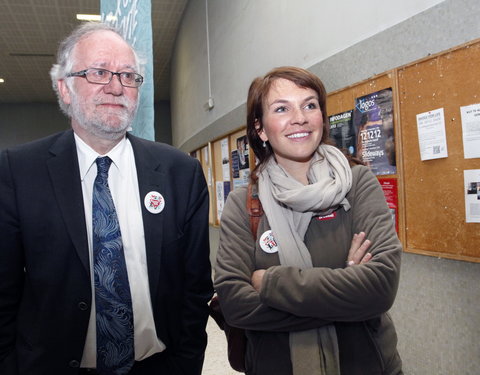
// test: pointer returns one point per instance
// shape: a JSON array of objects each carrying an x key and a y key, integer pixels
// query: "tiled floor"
[{"x": 216, "y": 362}]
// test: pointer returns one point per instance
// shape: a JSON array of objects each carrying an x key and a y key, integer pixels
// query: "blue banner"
[{"x": 134, "y": 20}]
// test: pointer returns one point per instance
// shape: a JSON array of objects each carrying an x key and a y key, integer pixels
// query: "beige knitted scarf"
[{"x": 289, "y": 206}]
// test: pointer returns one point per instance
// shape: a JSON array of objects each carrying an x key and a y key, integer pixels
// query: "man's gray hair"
[{"x": 65, "y": 59}]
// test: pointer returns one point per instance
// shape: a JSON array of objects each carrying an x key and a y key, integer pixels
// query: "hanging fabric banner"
[{"x": 134, "y": 20}]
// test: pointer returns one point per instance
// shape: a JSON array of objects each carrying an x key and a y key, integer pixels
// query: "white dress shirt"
[{"x": 123, "y": 183}]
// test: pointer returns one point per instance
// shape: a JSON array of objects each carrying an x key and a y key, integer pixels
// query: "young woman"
[{"x": 311, "y": 298}]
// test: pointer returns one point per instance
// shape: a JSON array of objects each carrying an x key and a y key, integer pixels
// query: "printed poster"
[
  {"x": 222, "y": 189},
  {"x": 472, "y": 195},
  {"x": 240, "y": 163},
  {"x": 243, "y": 152},
  {"x": 471, "y": 130},
  {"x": 375, "y": 141},
  {"x": 220, "y": 198},
  {"x": 342, "y": 131},
  {"x": 225, "y": 159},
  {"x": 431, "y": 135},
  {"x": 205, "y": 155},
  {"x": 390, "y": 190}
]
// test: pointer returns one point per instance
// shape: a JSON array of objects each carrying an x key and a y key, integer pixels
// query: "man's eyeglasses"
[{"x": 103, "y": 77}]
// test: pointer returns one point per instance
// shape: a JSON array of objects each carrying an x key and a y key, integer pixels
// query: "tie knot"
[{"x": 103, "y": 165}]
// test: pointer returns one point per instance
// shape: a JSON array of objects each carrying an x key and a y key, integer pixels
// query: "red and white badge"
[
  {"x": 154, "y": 202},
  {"x": 267, "y": 242},
  {"x": 331, "y": 216}
]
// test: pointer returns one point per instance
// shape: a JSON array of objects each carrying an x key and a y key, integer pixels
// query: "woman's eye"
[
  {"x": 311, "y": 106},
  {"x": 280, "y": 109}
]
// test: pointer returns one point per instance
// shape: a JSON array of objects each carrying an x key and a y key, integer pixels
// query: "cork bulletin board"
[
  {"x": 431, "y": 193},
  {"x": 434, "y": 191}
]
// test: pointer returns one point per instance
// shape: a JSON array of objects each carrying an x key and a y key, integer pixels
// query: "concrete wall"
[{"x": 437, "y": 312}]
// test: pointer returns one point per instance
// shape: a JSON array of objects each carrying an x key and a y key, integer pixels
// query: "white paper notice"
[
  {"x": 431, "y": 135},
  {"x": 205, "y": 155},
  {"x": 471, "y": 130},
  {"x": 225, "y": 159},
  {"x": 220, "y": 198},
  {"x": 209, "y": 176},
  {"x": 472, "y": 195}
]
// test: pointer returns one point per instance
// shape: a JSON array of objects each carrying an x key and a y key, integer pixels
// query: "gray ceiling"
[{"x": 30, "y": 31}]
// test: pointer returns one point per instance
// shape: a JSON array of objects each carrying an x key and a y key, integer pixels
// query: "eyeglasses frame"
[{"x": 83, "y": 74}]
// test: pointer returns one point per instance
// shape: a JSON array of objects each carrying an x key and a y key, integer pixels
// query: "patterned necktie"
[{"x": 114, "y": 314}]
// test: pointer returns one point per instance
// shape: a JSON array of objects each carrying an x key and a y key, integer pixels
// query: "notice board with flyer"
[
  {"x": 436, "y": 188},
  {"x": 433, "y": 186}
]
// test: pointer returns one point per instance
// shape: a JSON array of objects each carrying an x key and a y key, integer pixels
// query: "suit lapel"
[
  {"x": 64, "y": 173},
  {"x": 150, "y": 178}
]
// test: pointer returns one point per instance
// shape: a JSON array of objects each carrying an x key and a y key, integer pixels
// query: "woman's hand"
[
  {"x": 358, "y": 250},
  {"x": 257, "y": 278}
]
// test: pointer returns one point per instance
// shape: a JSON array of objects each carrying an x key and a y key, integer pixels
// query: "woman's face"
[{"x": 292, "y": 123}]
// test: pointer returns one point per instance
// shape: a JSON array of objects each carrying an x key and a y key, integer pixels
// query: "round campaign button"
[
  {"x": 154, "y": 202},
  {"x": 267, "y": 242}
]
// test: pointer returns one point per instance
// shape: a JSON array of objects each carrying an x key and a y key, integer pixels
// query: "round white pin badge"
[
  {"x": 154, "y": 202},
  {"x": 267, "y": 242}
]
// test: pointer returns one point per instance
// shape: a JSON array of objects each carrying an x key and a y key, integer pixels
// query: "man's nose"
[{"x": 114, "y": 87}]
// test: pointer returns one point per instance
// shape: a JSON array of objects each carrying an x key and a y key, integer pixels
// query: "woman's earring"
[{"x": 264, "y": 144}]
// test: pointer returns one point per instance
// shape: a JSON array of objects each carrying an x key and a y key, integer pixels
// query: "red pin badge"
[{"x": 154, "y": 202}]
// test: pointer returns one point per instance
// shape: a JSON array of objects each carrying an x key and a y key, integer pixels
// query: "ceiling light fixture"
[
  {"x": 89, "y": 17},
  {"x": 2, "y": 80}
]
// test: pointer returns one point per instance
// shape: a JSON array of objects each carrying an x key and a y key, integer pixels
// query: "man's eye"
[
  {"x": 99, "y": 73},
  {"x": 127, "y": 75},
  {"x": 281, "y": 109}
]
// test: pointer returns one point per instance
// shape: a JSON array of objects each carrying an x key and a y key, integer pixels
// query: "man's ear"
[
  {"x": 260, "y": 132},
  {"x": 64, "y": 91}
]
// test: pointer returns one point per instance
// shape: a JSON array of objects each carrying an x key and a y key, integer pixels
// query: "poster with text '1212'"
[{"x": 373, "y": 121}]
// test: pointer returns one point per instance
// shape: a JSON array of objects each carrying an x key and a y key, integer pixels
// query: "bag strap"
[{"x": 254, "y": 208}]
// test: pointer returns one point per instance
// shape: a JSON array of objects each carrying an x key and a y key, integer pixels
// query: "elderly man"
[{"x": 104, "y": 254}]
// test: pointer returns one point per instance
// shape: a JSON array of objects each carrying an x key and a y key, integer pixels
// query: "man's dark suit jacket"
[{"x": 45, "y": 290}]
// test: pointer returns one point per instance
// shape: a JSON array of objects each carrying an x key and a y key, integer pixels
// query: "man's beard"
[{"x": 107, "y": 124}]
